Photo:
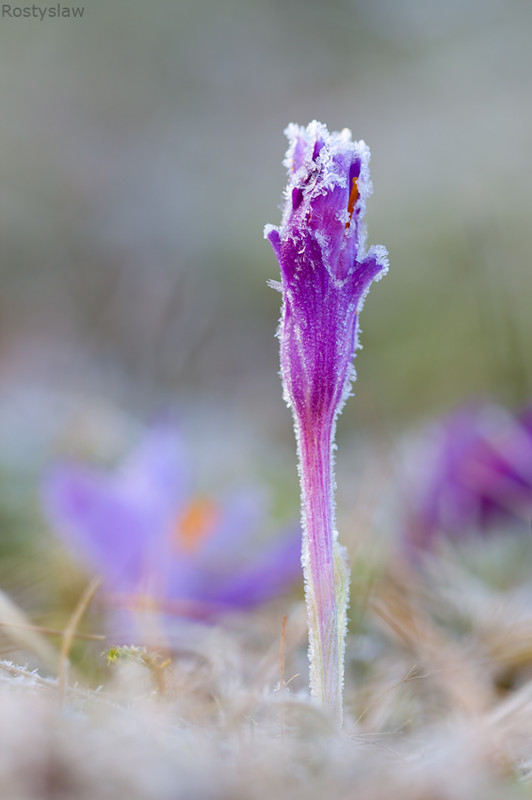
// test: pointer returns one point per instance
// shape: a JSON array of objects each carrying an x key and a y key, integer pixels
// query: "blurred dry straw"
[{"x": 430, "y": 719}]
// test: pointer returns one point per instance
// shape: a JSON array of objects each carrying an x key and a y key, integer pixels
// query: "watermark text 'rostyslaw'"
[{"x": 41, "y": 13}]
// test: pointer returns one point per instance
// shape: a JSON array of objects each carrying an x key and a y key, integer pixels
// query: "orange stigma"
[
  {"x": 195, "y": 524},
  {"x": 353, "y": 197}
]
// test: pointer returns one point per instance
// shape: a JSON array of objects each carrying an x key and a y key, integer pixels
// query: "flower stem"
[{"x": 324, "y": 567}]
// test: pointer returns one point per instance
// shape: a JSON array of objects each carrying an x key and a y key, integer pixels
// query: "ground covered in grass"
[{"x": 438, "y": 697}]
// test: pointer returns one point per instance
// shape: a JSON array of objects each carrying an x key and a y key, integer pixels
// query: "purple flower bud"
[
  {"x": 326, "y": 273},
  {"x": 325, "y": 270}
]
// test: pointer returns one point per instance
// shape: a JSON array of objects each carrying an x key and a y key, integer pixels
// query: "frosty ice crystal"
[{"x": 326, "y": 273}]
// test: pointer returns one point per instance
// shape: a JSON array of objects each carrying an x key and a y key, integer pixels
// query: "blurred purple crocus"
[
  {"x": 475, "y": 473},
  {"x": 158, "y": 548},
  {"x": 326, "y": 273}
]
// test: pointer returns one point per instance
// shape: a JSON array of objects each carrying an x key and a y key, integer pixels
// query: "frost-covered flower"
[
  {"x": 156, "y": 546},
  {"x": 325, "y": 269},
  {"x": 326, "y": 273},
  {"x": 475, "y": 473}
]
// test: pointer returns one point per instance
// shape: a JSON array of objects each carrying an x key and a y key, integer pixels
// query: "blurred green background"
[{"x": 140, "y": 157}]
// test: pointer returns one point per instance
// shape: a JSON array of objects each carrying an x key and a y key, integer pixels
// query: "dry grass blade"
[
  {"x": 90, "y": 637},
  {"x": 282, "y": 654},
  {"x": 70, "y": 631},
  {"x": 398, "y": 606},
  {"x": 20, "y": 630}
]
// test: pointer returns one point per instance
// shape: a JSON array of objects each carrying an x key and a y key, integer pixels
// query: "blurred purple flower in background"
[
  {"x": 475, "y": 474},
  {"x": 156, "y": 546}
]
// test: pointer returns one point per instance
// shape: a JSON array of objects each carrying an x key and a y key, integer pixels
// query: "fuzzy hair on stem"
[{"x": 326, "y": 273}]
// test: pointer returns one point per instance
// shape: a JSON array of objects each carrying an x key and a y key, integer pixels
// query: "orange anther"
[
  {"x": 195, "y": 524},
  {"x": 353, "y": 197}
]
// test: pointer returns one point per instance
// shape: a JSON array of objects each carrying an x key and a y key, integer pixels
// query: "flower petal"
[
  {"x": 93, "y": 518},
  {"x": 272, "y": 571}
]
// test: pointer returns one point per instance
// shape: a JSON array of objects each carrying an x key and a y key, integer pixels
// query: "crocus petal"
[
  {"x": 217, "y": 590},
  {"x": 158, "y": 549},
  {"x": 477, "y": 473},
  {"x": 193, "y": 573},
  {"x": 219, "y": 560},
  {"x": 156, "y": 473},
  {"x": 118, "y": 521},
  {"x": 103, "y": 527},
  {"x": 240, "y": 515},
  {"x": 271, "y": 572}
]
